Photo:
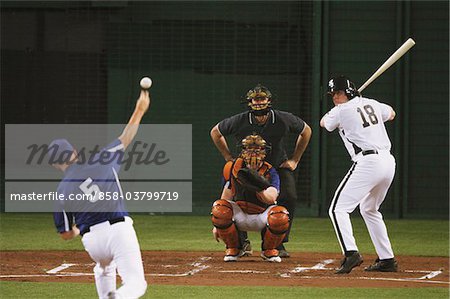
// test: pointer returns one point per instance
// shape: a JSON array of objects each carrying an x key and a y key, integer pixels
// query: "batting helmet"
[
  {"x": 259, "y": 92},
  {"x": 342, "y": 83}
]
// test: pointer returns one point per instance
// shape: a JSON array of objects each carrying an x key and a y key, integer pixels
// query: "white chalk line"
[
  {"x": 170, "y": 266},
  {"x": 382, "y": 278},
  {"x": 183, "y": 274},
  {"x": 197, "y": 265},
  {"x": 322, "y": 264},
  {"x": 245, "y": 271},
  {"x": 73, "y": 274},
  {"x": 416, "y": 271},
  {"x": 46, "y": 275}
]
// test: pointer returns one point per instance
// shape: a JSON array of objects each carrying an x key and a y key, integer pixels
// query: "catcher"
[{"x": 248, "y": 203}]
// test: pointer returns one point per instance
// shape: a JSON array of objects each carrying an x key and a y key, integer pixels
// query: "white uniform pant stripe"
[{"x": 331, "y": 212}]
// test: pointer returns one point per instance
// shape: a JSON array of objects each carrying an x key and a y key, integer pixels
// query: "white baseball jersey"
[{"x": 361, "y": 124}]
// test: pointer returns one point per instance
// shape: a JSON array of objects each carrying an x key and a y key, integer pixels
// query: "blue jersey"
[{"x": 91, "y": 178}]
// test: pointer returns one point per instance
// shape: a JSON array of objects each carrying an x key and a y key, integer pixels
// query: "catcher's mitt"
[{"x": 251, "y": 180}]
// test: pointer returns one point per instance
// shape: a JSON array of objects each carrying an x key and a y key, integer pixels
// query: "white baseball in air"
[{"x": 146, "y": 83}]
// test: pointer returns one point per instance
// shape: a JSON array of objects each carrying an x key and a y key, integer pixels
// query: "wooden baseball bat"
[{"x": 390, "y": 61}]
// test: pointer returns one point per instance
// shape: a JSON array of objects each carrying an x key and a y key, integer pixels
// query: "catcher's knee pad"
[
  {"x": 278, "y": 220},
  {"x": 222, "y": 214},
  {"x": 277, "y": 226}
]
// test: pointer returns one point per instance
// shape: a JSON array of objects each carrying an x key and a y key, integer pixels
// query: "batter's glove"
[{"x": 251, "y": 180}]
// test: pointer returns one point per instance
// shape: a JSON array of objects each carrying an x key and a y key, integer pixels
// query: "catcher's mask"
[
  {"x": 342, "y": 83},
  {"x": 259, "y": 93},
  {"x": 253, "y": 151}
]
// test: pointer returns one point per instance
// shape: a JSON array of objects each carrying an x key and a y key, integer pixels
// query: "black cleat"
[
  {"x": 282, "y": 252},
  {"x": 389, "y": 265},
  {"x": 246, "y": 248},
  {"x": 350, "y": 262}
]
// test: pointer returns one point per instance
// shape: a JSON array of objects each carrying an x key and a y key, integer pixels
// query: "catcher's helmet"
[
  {"x": 342, "y": 83},
  {"x": 253, "y": 150},
  {"x": 259, "y": 92}
]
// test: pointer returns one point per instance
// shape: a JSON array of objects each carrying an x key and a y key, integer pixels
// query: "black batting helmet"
[
  {"x": 259, "y": 92},
  {"x": 342, "y": 83}
]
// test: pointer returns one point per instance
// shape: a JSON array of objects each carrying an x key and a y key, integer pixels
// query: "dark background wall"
[{"x": 80, "y": 62}]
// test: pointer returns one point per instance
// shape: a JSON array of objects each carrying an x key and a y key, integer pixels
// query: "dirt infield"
[{"x": 206, "y": 268}]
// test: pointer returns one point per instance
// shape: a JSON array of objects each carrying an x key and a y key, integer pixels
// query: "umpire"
[{"x": 273, "y": 125}]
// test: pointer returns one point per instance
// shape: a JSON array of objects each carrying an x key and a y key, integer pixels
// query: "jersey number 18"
[{"x": 370, "y": 114}]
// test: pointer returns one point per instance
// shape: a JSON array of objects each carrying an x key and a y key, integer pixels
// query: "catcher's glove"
[{"x": 251, "y": 180}]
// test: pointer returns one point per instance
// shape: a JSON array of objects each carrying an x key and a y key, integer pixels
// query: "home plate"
[
  {"x": 59, "y": 268},
  {"x": 319, "y": 266}
]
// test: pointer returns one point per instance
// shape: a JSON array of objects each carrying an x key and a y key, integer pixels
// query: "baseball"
[{"x": 146, "y": 82}]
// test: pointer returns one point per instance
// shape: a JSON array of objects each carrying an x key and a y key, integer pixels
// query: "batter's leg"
[
  {"x": 351, "y": 191},
  {"x": 376, "y": 226},
  {"x": 369, "y": 209}
]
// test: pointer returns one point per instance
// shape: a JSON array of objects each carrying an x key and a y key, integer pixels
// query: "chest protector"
[{"x": 248, "y": 201}]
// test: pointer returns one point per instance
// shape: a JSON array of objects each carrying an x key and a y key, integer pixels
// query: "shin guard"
[
  {"x": 222, "y": 219},
  {"x": 277, "y": 226}
]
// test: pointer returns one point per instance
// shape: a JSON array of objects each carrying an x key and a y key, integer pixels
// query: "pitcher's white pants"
[
  {"x": 366, "y": 185},
  {"x": 115, "y": 246}
]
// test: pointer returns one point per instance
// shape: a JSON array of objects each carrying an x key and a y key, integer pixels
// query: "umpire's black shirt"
[{"x": 277, "y": 126}]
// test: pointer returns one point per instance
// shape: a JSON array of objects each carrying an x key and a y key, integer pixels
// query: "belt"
[
  {"x": 369, "y": 152},
  {"x": 111, "y": 222}
]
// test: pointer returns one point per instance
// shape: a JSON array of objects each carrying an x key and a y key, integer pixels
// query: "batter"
[{"x": 360, "y": 122}]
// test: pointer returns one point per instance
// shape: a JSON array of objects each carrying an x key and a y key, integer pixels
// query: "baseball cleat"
[
  {"x": 282, "y": 252},
  {"x": 230, "y": 258},
  {"x": 271, "y": 256},
  {"x": 246, "y": 249},
  {"x": 389, "y": 265},
  {"x": 232, "y": 255},
  {"x": 350, "y": 262}
]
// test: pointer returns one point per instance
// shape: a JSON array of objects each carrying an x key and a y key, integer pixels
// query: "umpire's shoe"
[
  {"x": 282, "y": 252},
  {"x": 388, "y": 265},
  {"x": 350, "y": 262},
  {"x": 246, "y": 248}
]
